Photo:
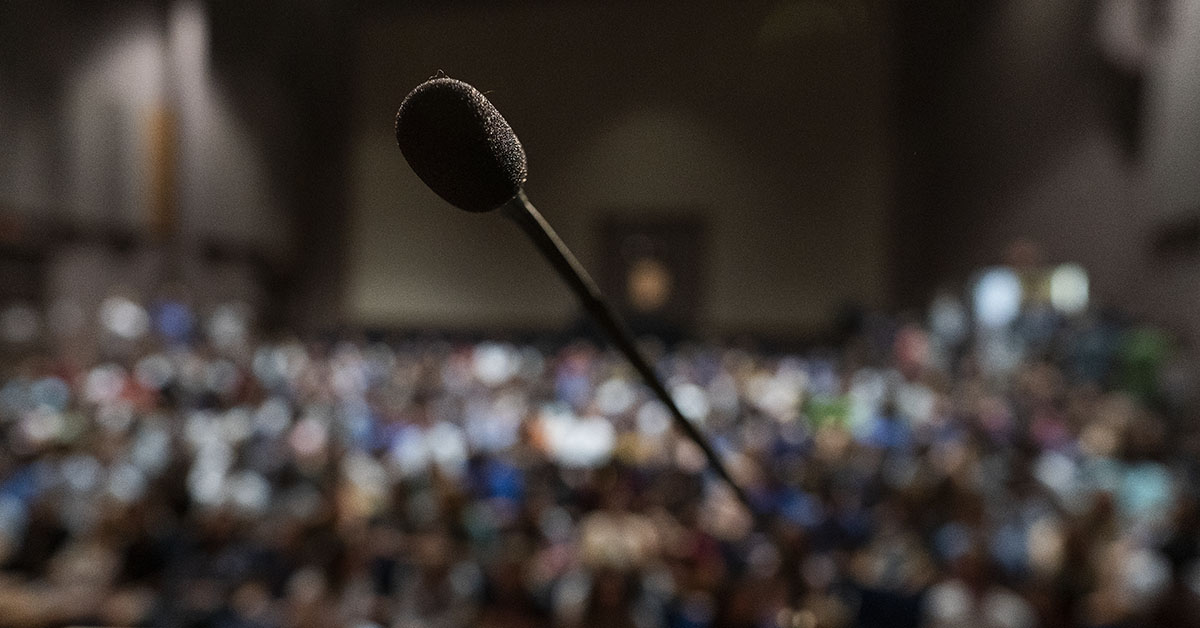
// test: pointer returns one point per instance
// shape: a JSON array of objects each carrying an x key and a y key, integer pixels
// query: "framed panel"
[{"x": 654, "y": 269}]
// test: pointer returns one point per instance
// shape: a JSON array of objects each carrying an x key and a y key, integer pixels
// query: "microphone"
[
  {"x": 459, "y": 145},
  {"x": 464, "y": 150}
]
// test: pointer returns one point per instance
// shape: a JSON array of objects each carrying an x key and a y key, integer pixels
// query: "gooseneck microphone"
[{"x": 466, "y": 152}]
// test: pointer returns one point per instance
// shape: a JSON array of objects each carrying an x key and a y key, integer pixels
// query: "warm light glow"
[{"x": 1069, "y": 289}]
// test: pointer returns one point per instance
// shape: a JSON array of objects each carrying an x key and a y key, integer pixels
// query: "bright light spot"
[
  {"x": 653, "y": 419},
  {"x": 349, "y": 374},
  {"x": 200, "y": 428},
  {"x": 1069, "y": 289},
  {"x": 1146, "y": 575},
  {"x": 235, "y": 425},
  {"x": 584, "y": 442},
  {"x": 410, "y": 455},
  {"x": 205, "y": 482},
  {"x": 868, "y": 392},
  {"x": 228, "y": 326},
  {"x": 448, "y": 448},
  {"x": 206, "y": 479},
  {"x": 188, "y": 40},
  {"x": 997, "y": 298},
  {"x": 309, "y": 437},
  {"x": 723, "y": 393},
  {"x": 1056, "y": 471},
  {"x": 81, "y": 472},
  {"x": 104, "y": 383},
  {"x": 778, "y": 396},
  {"x": 273, "y": 417},
  {"x": 689, "y": 456},
  {"x": 1046, "y": 545},
  {"x": 151, "y": 449},
  {"x": 495, "y": 425},
  {"x": 614, "y": 396},
  {"x": 692, "y": 402},
  {"x": 495, "y": 363},
  {"x": 124, "y": 318},
  {"x": 249, "y": 492},
  {"x": 126, "y": 483},
  {"x": 365, "y": 472}
]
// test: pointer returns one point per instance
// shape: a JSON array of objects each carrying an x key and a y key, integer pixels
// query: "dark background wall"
[
  {"x": 202, "y": 145},
  {"x": 1072, "y": 124},
  {"x": 835, "y": 151},
  {"x": 767, "y": 120}
]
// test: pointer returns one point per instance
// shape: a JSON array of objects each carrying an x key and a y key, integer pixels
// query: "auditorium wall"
[
  {"x": 117, "y": 131},
  {"x": 1022, "y": 121},
  {"x": 78, "y": 109},
  {"x": 765, "y": 119},
  {"x": 1172, "y": 164}
]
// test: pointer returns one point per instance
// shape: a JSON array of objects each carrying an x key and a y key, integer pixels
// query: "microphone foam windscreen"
[{"x": 459, "y": 145}]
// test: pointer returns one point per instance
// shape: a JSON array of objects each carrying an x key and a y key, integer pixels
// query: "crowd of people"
[{"x": 918, "y": 473}]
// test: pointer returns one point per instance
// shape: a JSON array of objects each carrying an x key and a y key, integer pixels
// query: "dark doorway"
[{"x": 654, "y": 271}]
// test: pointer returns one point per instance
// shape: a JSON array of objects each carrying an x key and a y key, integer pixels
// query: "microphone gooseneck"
[
  {"x": 527, "y": 217},
  {"x": 463, "y": 149}
]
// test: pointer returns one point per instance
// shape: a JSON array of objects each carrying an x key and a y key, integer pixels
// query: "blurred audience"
[{"x": 918, "y": 474}]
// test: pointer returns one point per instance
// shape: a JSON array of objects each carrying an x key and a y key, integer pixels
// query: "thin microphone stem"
[{"x": 522, "y": 212}]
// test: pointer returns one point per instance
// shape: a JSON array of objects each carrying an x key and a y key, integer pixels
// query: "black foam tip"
[{"x": 459, "y": 145}]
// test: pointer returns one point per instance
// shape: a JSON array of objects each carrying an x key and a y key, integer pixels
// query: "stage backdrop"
[{"x": 769, "y": 127}]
